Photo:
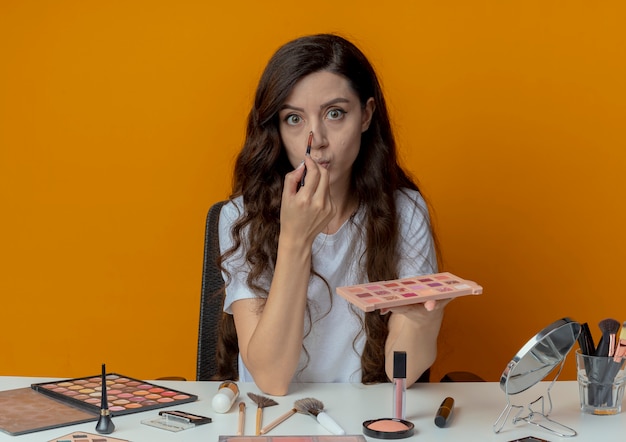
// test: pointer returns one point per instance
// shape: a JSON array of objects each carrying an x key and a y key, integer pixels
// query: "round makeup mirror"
[{"x": 543, "y": 353}]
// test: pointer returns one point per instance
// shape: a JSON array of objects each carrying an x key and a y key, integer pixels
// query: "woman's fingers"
[
  {"x": 306, "y": 210},
  {"x": 417, "y": 309}
]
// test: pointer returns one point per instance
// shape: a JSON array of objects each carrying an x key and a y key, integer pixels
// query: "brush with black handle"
[
  {"x": 614, "y": 363},
  {"x": 604, "y": 370},
  {"x": 587, "y": 348}
]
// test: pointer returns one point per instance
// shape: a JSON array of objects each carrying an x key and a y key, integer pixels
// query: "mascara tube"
[{"x": 399, "y": 384}]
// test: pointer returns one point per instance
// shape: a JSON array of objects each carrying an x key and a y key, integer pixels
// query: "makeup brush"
[
  {"x": 587, "y": 348},
  {"x": 315, "y": 408},
  {"x": 602, "y": 369},
  {"x": 261, "y": 402},
  {"x": 242, "y": 418},
  {"x": 613, "y": 367},
  {"x": 585, "y": 340},
  {"x": 308, "y": 152},
  {"x": 105, "y": 425},
  {"x": 620, "y": 352},
  {"x": 608, "y": 327},
  {"x": 278, "y": 420}
]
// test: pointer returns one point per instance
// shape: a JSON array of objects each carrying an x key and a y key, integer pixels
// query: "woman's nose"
[{"x": 319, "y": 136}]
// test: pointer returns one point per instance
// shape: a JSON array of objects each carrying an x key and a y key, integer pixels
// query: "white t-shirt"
[{"x": 336, "y": 340}]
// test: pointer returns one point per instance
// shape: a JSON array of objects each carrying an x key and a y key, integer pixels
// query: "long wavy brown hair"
[{"x": 262, "y": 164}]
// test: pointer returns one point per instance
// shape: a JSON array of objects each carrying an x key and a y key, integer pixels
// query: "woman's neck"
[{"x": 346, "y": 204}]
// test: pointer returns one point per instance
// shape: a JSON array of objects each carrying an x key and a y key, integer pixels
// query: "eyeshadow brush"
[
  {"x": 105, "y": 425},
  {"x": 620, "y": 351},
  {"x": 601, "y": 372},
  {"x": 242, "y": 418},
  {"x": 587, "y": 348},
  {"x": 614, "y": 364},
  {"x": 608, "y": 327},
  {"x": 308, "y": 152},
  {"x": 261, "y": 402},
  {"x": 585, "y": 340},
  {"x": 315, "y": 408},
  {"x": 278, "y": 420}
]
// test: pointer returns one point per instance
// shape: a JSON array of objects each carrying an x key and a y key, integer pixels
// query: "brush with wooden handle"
[
  {"x": 620, "y": 351},
  {"x": 261, "y": 402},
  {"x": 278, "y": 420}
]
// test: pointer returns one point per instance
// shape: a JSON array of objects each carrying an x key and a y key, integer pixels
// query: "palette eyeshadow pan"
[
  {"x": 398, "y": 292},
  {"x": 125, "y": 394}
]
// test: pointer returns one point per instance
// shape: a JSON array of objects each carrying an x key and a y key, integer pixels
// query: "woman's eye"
[
  {"x": 293, "y": 119},
  {"x": 335, "y": 114}
]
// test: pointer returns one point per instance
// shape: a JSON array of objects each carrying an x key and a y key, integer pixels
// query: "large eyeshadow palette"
[
  {"x": 324, "y": 438},
  {"x": 398, "y": 292},
  {"x": 81, "y": 436},
  {"x": 125, "y": 395}
]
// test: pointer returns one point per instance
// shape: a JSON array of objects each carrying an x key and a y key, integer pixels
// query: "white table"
[{"x": 477, "y": 407}]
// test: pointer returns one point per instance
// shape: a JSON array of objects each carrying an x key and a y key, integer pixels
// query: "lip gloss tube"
[{"x": 399, "y": 384}]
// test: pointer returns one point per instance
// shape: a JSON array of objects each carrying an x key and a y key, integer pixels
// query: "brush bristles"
[
  {"x": 309, "y": 405},
  {"x": 262, "y": 401},
  {"x": 609, "y": 325}
]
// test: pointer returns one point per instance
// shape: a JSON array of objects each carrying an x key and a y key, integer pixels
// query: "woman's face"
[{"x": 325, "y": 104}]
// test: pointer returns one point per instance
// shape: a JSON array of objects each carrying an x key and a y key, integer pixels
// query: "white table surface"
[{"x": 477, "y": 407}]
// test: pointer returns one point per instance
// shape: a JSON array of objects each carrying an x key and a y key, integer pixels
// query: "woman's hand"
[
  {"x": 414, "y": 329},
  {"x": 306, "y": 210},
  {"x": 418, "y": 312}
]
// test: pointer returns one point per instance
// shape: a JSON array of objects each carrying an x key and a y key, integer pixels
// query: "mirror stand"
[{"x": 534, "y": 417}]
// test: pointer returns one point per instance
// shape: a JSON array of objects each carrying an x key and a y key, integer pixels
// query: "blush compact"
[{"x": 388, "y": 428}]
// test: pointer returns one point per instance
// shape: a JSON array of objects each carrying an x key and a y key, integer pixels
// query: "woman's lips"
[{"x": 323, "y": 163}]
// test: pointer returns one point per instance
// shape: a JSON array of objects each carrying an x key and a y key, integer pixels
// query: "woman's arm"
[
  {"x": 270, "y": 332},
  {"x": 414, "y": 328}
]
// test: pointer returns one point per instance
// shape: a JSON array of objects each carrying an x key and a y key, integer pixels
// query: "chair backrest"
[{"x": 211, "y": 300}]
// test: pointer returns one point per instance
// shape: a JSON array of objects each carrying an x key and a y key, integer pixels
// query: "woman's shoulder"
[
  {"x": 232, "y": 208},
  {"x": 409, "y": 199}
]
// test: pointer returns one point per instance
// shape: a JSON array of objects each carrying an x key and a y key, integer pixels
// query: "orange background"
[{"x": 119, "y": 122}]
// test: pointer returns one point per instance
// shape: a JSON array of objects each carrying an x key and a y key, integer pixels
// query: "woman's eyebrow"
[
  {"x": 334, "y": 101},
  {"x": 322, "y": 106}
]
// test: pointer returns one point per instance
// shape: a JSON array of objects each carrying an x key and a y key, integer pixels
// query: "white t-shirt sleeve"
[{"x": 236, "y": 287}]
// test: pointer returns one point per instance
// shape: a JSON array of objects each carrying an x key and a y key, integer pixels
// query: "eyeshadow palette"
[
  {"x": 325, "y": 438},
  {"x": 23, "y": 410},
  {"x": 405, "y": 291},
  {"x": 125, "y": 395},
  {"x": 81, "y": 436}
]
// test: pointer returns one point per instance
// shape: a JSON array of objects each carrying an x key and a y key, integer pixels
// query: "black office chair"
[
  {"x": 212, "y": 317},
  {"x": 213, "y": 321}
]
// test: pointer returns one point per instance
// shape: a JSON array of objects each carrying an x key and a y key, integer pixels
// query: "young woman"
[{"x": 300, "y": 224}]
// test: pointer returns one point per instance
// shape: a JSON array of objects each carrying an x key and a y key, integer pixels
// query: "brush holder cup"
[{"x": 601, "y": 382}]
